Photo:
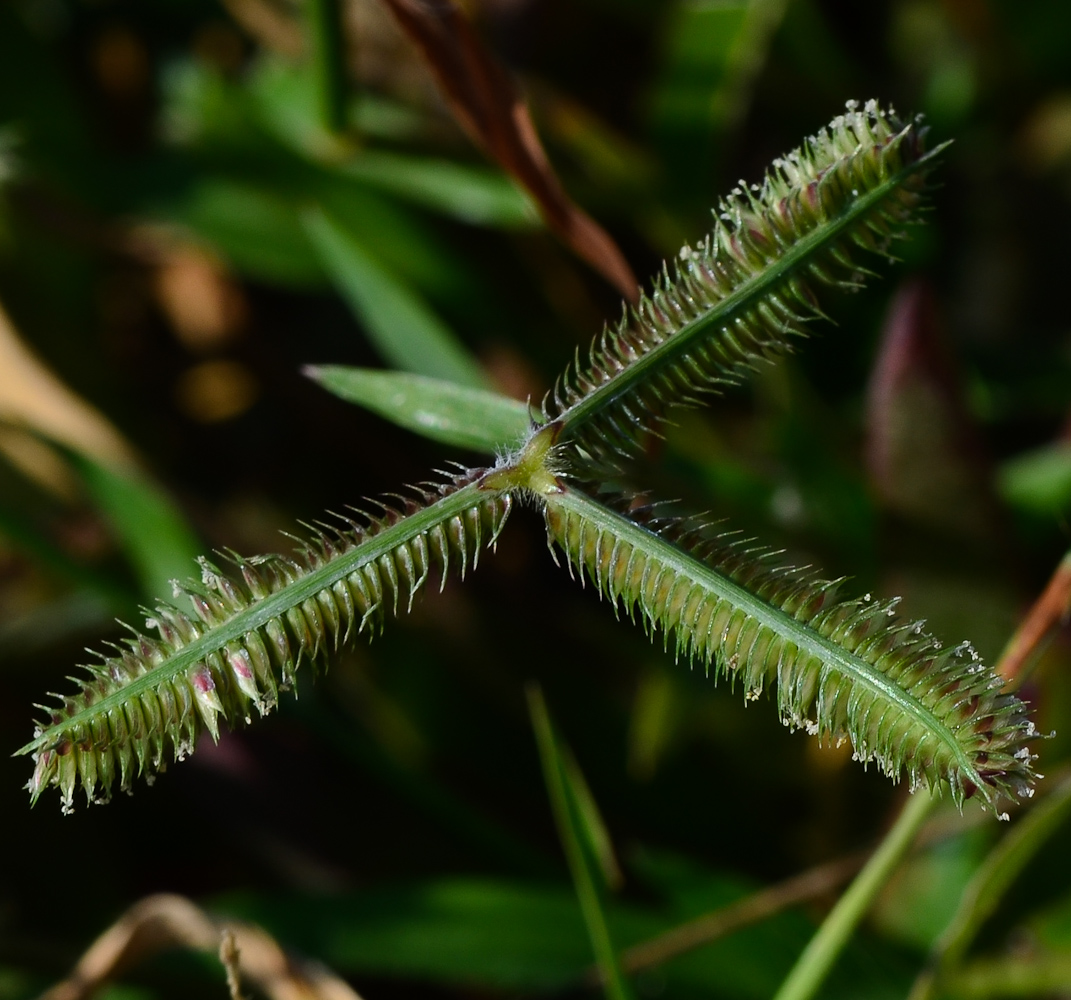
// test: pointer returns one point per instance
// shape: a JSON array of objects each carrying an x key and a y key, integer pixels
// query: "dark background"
[{"x": 392, "y": 822}]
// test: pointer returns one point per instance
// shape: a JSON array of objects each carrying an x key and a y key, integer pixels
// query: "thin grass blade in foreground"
[{"x": 581, "y": 842}]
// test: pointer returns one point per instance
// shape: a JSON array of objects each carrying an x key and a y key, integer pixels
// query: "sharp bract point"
[
  {"x": 145, "y": 706},
  {"x": 751, "y": 286}
]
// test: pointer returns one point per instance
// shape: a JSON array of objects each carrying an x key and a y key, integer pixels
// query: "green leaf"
[
  {"x": 155, "y": 536},
  {"x": 443, "y": 411},
  {"x": 257, "y": 230},
  {"x": 490, "y": 933},
  {"x": 596, "y": 835},
  {"x": 1039, "y": 481},
  {"x": 405, "y": 331},
  {"x": 478, "y": 196},
  {"x": 698, "y": 46},
  {"x": 990, "y": 883},
  {"x": 515, "y": 935},
  {"x": 584, "y": 838}
]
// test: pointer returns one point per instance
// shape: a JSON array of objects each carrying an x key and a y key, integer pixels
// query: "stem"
[
  {"x": 727, "y": 920},
  {"x": 1047, "y": 611},
  {"x": 818, "y": 957},
  {"x": 327, "y": 45}
]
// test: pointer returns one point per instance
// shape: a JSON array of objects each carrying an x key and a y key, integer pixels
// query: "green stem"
[
  {"x": 813, "y": 965},
  {"x": 564, "y": 806},
  {"x": 327, "y": 45}
]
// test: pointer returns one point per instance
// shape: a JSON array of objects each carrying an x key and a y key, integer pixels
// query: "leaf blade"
[
  {"x": 582, "y": 848},
  {"x": 486, "y": 104},
  {"x": 154, "y": 534},
  {"x": 443, "y": 411},
  {"x": 405, "y": 331}
]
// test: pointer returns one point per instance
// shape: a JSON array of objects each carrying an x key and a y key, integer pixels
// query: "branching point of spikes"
[
  {"x": 843, "y": 668},
  {"x": 750, "y": 286},
  {"x": 145, "y": 705}
]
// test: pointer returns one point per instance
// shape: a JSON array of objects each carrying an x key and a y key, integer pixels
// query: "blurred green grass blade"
[
  {"x": 1032, "y": 974},
  {"x": 257, "y": 230},
  {"x": 523, "y": 936},
  {"x": 698, "y": 46},
  {"x": 916, "y": 907},
  {"x": 478, "y": 196},
  {"x": 593, "y": 828},
  {"x": 824, "y": 950},
  {"x": 713, "y": 54},
  {"x": 443, "y": 411},
  {"x": 745, "y": 61},
  {"x": 327, "y": 46},
  {"x": 580, "y": 846},
  {"x": 655, "y": 722},
  {"x": 285, "y": 95},
  {"x": 152, "y": 531},
  {"x": 990, "y": 883},
  {"x": 1039, "y": 481},
  {"x": 404, "y": 330},
  {"x": 494, "y": 934}
]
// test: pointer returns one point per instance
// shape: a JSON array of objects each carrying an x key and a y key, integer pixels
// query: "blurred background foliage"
[{"x": 189, "y": 214}]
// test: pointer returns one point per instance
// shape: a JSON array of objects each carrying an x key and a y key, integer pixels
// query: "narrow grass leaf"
[
  {"x": 580, "y": 850},
  {"x": 154, "y": 534},
  {"x": 478, "y": 196},
  {"x": 404, "y": 330},
  {"x": 443, "y": 411},
  {"x": 596, "y": 835},
  {"x": 485, "y": 102},
  {"x": 990, "y": 883}
]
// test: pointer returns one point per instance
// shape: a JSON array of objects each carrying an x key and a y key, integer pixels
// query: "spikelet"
[
  {"x": 843, "y": 668},
  {"x": 750, "y": 286},
  {"x": 146, "y": 704}
]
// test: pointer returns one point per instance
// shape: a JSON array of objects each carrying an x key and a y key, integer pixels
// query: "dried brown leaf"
[
  {"x": 485, "y": 102},
  {"x": 159, "y": 923}
]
